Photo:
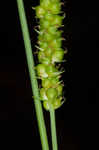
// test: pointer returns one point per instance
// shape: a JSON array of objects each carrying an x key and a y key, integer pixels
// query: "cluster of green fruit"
[{"x": 50, "y": 52}]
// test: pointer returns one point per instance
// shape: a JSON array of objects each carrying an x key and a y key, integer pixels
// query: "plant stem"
[
  {"x": 31, "y": 67},
  {"x": 53, "y": 129}
]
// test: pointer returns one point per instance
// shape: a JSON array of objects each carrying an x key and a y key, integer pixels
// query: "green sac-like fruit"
[
  {"x": 48, "y": 52},
  {"x": 49, "y": 17},
  {"x": 51, "y": 71},
  {"x": 40, "y": 37},
  {"x": 43, "y": 45},
  {"x": 55, "y": 82},
  {"x": 56, "y": 43},
  {"x": 59, "y": 89},
  {"x": 46, "y": 4},
  {"x": 57, "y": 56},
  {"x": 48, "y": 37},
  {"x": 57, "y": 103},
  {"x": 46, "y": 105},
  {"x": 41, "y": 70},
  {"x": 52, "y": 30},
  {"x": 46, "y": 61},
  {"x": 43, "y": 94},
  {"x": 50, "y": 82},
  {"x": 57, "y": 20},
  {"x": 45, "y": 24},
  {"x": 46, "y": 83},
  {"x": 43, "y": 59},
  {"x": 41, "y": 55},
  {"x": 40, "y": 12},
  {"x": 55, "y": 8},
  {"x": 51, "y": 94},
  {"x": 52, "y": 7}
]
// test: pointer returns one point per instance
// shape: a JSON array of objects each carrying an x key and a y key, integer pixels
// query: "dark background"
[{"x": 77, "y": 119}]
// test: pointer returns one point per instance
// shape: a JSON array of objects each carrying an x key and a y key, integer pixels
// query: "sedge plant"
[{"x": 50, "y": 54}]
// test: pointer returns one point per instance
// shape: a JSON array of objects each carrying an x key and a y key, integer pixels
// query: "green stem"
[
  {"x": 53, "y": 129},
  {"x": 31, "y": 67}
]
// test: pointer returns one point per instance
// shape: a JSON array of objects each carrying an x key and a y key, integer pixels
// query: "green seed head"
[{"x": 50, "y": 52}]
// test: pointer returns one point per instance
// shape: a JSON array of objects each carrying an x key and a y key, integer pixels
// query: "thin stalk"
[
  {"x": 31, "y": 67},
  {"x": 53, "y": 129}
]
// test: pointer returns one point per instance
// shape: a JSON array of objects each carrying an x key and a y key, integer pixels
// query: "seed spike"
[{"x": 44, "y": 41}]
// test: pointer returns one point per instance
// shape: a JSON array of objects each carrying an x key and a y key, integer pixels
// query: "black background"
[{"x": 77, "y": 119}]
